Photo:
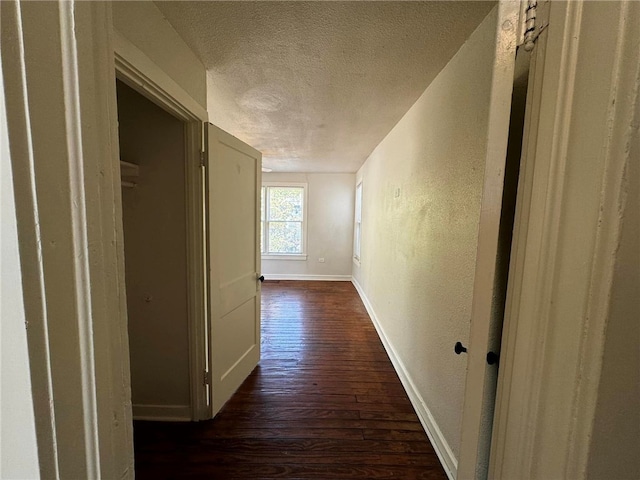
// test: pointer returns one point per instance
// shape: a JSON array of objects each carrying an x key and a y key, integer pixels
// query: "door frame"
[
  {"x": 566, "y": 236},
  {"x": 57, "y": 64},
  {"x": 136, "y": 70}
]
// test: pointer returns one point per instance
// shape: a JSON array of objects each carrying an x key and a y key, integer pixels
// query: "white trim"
[
  {"x": 65, "y": 174},
  {"x": 305, "y": 220},
  {"x": 135, "y": 69},
  {"x": 440, "y": 445},
  {"x": 140, "y": 72},
  {"x": 357, "y": 223},
  {"x": 320, "y": 278},
  {"x": 560, "y": 279},
  {"x": 285, "y": 184},
  {"x": 79, "y": 223},
  {"x": 18, "y": 456},
  {"x": 614, "y": 199},
  {"x": 14, "y": 69},
  {"x": 275, "y": 256},
  {"x": 196, "y": 270},
  {"x": 162, "y": 413}
]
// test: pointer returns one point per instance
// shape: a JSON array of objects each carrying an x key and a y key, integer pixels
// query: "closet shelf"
[{"x": 128, "y": 169}]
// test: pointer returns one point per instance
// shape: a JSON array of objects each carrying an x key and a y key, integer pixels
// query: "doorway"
[
  {"x": 152, "y": 159},
  {"x": 190, "y": 222}
]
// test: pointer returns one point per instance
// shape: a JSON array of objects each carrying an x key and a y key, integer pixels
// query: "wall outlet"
[{"x": 321, "y": 260}]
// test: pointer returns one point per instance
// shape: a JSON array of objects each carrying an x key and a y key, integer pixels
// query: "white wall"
[
  {"x": 18, "y": 448},
  {"x": 144, "y": 25},
  {"x": 154, "y": 218},
  {"x": 329, "y": 227},
  {"x": 422, "y": 189},
  {"x": 616, "y": 430}
]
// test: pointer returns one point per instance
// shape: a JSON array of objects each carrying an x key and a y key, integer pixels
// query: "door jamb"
[
  {"x": 560, "y": 288},
  {"x": 139, "y": 72}
]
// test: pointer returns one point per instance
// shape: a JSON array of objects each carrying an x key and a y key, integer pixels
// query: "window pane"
[
  {"x": 285, "y": 237},
  {"x": 285, "y": 203},
  {"x": 358, "y": 220},
  {"x": 359, "y": 202}
]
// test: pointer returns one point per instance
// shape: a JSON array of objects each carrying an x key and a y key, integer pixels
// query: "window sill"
[{"x": 272, "y": 256}]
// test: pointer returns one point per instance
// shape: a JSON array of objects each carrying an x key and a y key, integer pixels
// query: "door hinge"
[
  {"x": 202, "y": 159},
  {"x": 206, "y": 378},
  {"x": 533, "y": 21}
]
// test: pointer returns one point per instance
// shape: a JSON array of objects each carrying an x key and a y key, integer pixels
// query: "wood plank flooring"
[{"x": 324, "y": 403}]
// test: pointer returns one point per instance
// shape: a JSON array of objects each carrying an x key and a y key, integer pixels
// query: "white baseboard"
[
  {"x": 443, "y": 450},
  {"x": 293, "y": 276},
  {"x": 162, "y": 413}
]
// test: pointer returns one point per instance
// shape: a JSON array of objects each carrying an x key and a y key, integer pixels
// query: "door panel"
[
  {"x": 486, "y": 321},
  {"x": 238, "y": 324},
  {"x": 234, "y": 181}
]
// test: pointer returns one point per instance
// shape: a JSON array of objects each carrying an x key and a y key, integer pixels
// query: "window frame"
[
  {"x": 357, "y": 223},
  {"x": 266, "y": 255}
]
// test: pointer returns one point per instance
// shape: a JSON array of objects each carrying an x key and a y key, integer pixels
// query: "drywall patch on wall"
[
  {"x": 154, "y": 217},
  {"x": 422, "y": 189},
  {"x": 330, "y": 198}
]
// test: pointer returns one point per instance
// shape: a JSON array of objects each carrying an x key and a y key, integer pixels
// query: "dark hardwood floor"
[{"x": 324, "y": 403}]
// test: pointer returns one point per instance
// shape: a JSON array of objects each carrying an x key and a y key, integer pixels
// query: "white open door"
[
  {"x": 234, "y": 181},
  {"x": 489, "y": 282}
]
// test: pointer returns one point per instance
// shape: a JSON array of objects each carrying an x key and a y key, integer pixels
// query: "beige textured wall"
[
  {"x": 422, "y": 189},
  {"x": 616, "y": 430},
  {"x": 144, "y": 25},
  {"x": 155, "y": 252},
  {"x": 329, "y": 228}
]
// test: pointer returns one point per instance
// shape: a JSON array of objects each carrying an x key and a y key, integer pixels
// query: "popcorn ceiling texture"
[{"x": 315, "y": 86}]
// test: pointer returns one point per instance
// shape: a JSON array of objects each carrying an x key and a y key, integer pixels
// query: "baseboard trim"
[
  {"x": 442, "y": 448},
  {"x": 162, "y": 413},
  {"x": 322, "y": 278}
]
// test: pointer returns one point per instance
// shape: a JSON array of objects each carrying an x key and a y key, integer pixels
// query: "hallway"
[{"x": 323, "y": 403}]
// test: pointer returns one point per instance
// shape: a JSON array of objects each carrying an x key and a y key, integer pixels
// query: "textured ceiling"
[{"x": 315, "y": 86}]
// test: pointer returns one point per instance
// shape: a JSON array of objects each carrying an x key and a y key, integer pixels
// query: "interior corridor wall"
[
  {"x": 330, "y": 206},
  {"x": 154, "y": 219},
  {"x": 422, "y": 188}
]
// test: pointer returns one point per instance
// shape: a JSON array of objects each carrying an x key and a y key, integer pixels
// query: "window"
[
  {"x": 357, "y": 230},
  {"x": 283, "y": 213}
]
